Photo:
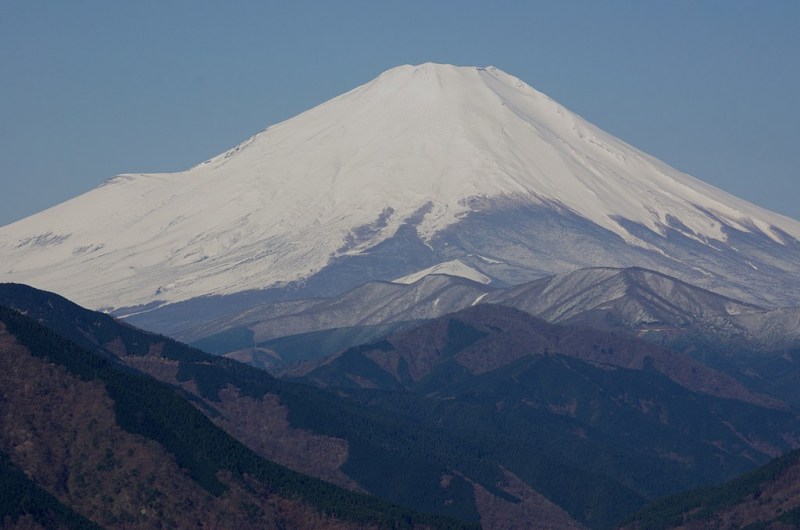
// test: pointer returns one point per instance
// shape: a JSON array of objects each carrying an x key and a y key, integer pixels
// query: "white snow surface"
[
  {"x": 451, "y": 268},
  {"x": 281, "y": 205}
]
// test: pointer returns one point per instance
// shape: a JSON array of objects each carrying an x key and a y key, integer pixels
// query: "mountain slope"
[
  {"x": 126, "y": 451},
  {"x": 23, "y": 504},
  {"x": 423, "y": 165},
  {"x": 766, "y": 498}
]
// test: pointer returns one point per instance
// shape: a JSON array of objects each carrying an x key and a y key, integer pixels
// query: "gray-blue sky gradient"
[{"x": 90, "y": 89}]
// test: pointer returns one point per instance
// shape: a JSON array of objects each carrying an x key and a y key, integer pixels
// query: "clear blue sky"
[{"x": 93, "y": 88}]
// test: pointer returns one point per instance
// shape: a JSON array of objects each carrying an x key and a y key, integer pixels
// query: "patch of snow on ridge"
[
  {"x": 478, "y": 300},
  {"x": 451, "y": 268}
]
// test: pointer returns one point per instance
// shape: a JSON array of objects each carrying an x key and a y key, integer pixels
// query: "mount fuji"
[{"x": 429, "y": 167}]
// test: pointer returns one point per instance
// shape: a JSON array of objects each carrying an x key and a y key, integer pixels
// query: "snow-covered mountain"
[
  {"x": 423, "y": 165},
  {"x": 632, "y": 298}
]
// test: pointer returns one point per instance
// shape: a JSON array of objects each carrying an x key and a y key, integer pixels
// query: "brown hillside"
[{"x": 62, "y": 432}]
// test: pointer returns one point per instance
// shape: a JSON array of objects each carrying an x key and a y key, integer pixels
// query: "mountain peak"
[
  {"x": 445, "y": 73},
  {"x": 429, "y": 70}
]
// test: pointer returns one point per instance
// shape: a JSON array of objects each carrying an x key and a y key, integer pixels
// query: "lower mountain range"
[
  {"x": 733, "y": 336},
  {"x": 597, "y": 296},
  {"x": 87, "y": 443},
  {"x": 487, "y": 415}
]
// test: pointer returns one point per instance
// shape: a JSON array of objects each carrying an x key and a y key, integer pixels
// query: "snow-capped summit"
[
  {"x": 422, "y": 165},
  {"x": 450, "y": 268}
]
